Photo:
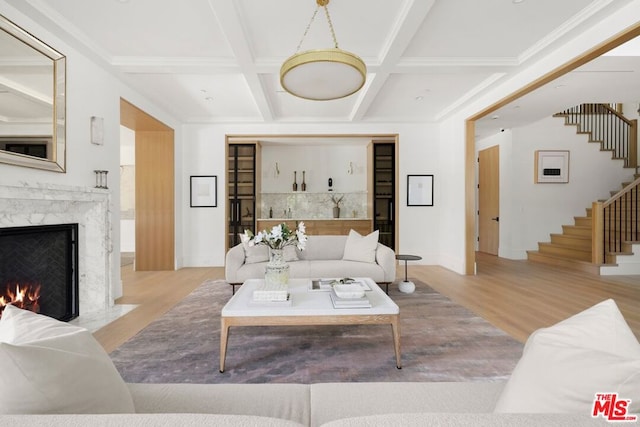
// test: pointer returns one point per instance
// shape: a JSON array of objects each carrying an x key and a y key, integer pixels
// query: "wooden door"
[
  {"x": 155, "y": 223},
  {"x": 489, "y": 200}
]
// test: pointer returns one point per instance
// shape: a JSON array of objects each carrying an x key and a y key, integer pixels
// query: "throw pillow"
[
  {"x": 564, "y": 366},
  {"x": 52, "y": 367},
  {"x": 361, "y": 248}
]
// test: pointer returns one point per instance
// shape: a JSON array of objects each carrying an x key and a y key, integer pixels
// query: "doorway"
[{"x": 154, "y": 201}]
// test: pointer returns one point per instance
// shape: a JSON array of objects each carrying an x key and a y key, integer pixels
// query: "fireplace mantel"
[{"x": 49, "y": 204}]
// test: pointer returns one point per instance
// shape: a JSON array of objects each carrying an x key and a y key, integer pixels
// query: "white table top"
[{"x": 305, "y": 302}]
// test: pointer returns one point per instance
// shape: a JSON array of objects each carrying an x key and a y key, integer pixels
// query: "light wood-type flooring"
[{"x": 515, "y": 296}]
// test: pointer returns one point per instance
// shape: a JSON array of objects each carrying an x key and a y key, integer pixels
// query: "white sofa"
[
  {"x": 56, "y": 374},
  {"x": 322, "y": 257},
  {"x": 322, "y": 404}
]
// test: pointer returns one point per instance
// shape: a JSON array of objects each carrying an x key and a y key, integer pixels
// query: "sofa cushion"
[
  {"x": 144, "y": 420},
  {"x": 256, "y": 253},
  {"x": 290, "y": 253},
  {"x": 361, "y": 248},
  {"x": 53, "y": 367},
  {"x": 564, "y": 366},
  {"x": 283, "y": 401},
  {"x": 333, "y": 401},
  {"x": 326, "y": 247},
  {"x": 467, "y": 420}
]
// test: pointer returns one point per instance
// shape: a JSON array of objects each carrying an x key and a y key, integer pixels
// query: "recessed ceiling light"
[
  {"x": 209, "y": 98},
  {"x": 517, "y": 1},
  {"x": 495, "y": 117},
  {"x": 419, "y": 98}
]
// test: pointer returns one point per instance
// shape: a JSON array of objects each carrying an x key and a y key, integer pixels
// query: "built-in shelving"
[
  {"x": 241, "y": 183},
  {"x": 384, "y": 192}
]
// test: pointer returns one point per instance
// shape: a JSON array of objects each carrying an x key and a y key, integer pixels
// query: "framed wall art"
[
  {"x": 204, "y": 191},
  {"x": 419, "y": 190},
  {"x": 551, "y": 166}
]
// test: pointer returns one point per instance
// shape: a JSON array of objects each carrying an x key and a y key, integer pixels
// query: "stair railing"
[
  {"x": 615, "y": 222},
  {"x": 615, "y": 132}
]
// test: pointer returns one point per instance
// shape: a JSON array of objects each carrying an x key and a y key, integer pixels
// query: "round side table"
[{"x": 406, "y": 286}]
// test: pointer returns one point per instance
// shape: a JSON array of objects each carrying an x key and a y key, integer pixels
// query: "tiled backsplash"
[{"x": 306, "y": 205}]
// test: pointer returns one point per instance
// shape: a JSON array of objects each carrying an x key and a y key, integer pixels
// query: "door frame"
[{"x": 470, "y": 141}]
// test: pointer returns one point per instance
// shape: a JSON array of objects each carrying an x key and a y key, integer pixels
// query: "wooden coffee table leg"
[
  {"x": 224, "y": 339},
  {"x": 395, "y": 326}
]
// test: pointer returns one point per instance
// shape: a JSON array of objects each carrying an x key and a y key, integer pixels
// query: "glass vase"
[{"x": 276, "y": 275}]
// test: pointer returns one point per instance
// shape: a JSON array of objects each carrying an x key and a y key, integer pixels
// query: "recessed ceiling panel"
[
  {"x": 146, "y": 27},
  {"x": 489, "y": 28},
  {"x": 208, "y": 97},
  {"x": 275, "y": 28},
  {"x": 420, "y": 97}
]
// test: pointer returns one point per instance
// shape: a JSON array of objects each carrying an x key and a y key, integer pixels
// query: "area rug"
[{"x": 441, "y": 341}]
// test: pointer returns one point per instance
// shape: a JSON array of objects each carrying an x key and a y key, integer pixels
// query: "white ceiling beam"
[
  {"x": 233, "y": 28},
  {"x": 402, "y": 32}
]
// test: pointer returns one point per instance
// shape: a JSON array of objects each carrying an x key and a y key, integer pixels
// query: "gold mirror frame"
[{"x": 56, "y": 161}]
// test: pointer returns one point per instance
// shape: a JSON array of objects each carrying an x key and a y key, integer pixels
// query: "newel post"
[
  {"x": 597, "y": 233},
  {"x": 633, "y": 144}
]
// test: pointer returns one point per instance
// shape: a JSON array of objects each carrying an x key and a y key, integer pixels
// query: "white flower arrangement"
[{"x": 279, "y": 237}]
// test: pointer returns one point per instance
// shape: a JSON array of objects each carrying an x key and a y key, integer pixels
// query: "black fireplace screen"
[{"x": 38, "y": 269}]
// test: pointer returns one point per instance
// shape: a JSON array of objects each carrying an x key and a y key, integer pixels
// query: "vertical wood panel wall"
[{"x": 155, "y": 218}]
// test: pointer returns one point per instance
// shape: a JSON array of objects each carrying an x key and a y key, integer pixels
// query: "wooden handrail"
[
  {"x": 621, "y": 193},
  {"x": 606, "y": 125},
  {"x": 616, "y": 113}
]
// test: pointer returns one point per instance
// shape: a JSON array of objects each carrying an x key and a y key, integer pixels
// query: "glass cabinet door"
[
  {"x": 384, "y": 192},
  {"x": 242, "y": 190}
]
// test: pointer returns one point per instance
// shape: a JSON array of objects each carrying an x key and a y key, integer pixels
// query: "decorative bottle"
[
  {"x": 330, "y": 182},
  {"x": 295, "y": 184},
  {"x": 304, "y": 184}
]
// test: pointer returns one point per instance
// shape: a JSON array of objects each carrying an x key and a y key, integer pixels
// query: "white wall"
[
  {"x": 203, "y": 154},
  {"x": 127, "y": 190},
  {"x": 452, "y": 127},
  {"x": 529, "y": 212},
  {"x": 91, "y": 91},
  {"x": 435, "y": 233},
  {"x": 319, "y": 163}
]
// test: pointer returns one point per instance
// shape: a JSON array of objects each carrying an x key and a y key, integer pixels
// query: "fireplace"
[{"x": 39, "y": 269}]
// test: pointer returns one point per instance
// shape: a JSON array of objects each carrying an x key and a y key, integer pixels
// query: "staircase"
[
  {"x": 571, "y": 249},
  {"x": 610, "y": 244}
]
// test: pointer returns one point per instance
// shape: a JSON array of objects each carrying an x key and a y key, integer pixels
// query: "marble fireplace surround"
[{"x": 48, "y": 204}]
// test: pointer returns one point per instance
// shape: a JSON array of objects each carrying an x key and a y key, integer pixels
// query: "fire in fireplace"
[
  {"x": 38, "y": 269},
  {"x": 26, "y": 297}
]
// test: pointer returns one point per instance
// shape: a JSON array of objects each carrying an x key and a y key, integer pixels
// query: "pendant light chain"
[
  {"x": 313, "y": 17},
  {"x": 307, "y": 30},
  {"x": 333, "y": 33}
]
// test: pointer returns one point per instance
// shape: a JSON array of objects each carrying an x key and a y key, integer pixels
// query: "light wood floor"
[{"x": 515, "y": 296}]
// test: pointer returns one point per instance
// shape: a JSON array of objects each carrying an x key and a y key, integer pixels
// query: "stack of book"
[
  {"x": 338, "y": 302},
  {"x": 264, "y": 292}
]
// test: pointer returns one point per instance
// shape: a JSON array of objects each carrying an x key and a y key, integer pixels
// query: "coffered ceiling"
[{"x": 215, "y": 61}]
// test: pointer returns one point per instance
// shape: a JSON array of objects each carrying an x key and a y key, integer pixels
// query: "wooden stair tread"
[
  {"x": 559, "y": 261},
  {"x": 560, "y": 245}
]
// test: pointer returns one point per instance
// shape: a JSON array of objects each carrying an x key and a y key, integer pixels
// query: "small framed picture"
[
  {"x": 551, "y": 166},
  {"x": 419, "y": 190},
  {"x": 204, "y": 191}
]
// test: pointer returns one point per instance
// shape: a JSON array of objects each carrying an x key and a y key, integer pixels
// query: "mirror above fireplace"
[{"x": 32, "y": 101}]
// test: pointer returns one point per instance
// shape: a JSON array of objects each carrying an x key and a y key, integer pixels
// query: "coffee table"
[{"x": 308, "y": 307}]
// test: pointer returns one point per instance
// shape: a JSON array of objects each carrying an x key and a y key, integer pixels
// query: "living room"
[{"x": 442, "y": 235}]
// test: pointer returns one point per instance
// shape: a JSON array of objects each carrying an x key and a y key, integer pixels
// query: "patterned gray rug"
[{"x": 441, "y": 341}]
